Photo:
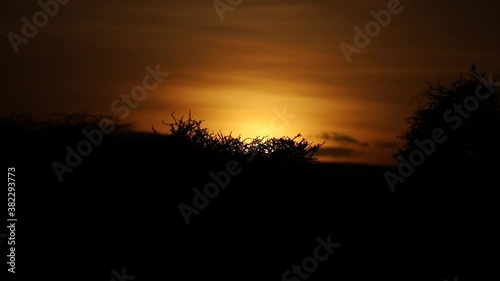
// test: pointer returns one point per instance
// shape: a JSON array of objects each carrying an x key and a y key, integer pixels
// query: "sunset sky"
[{"x": 264, "y": 57}]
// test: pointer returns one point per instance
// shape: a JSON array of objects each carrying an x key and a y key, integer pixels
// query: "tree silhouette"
[{"x": 469, "y": 114}]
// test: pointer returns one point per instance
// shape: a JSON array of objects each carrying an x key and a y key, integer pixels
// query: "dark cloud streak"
[{"x": 342, "y": 139}]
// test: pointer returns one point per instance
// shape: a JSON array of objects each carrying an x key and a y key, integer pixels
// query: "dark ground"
[{"x": 119, "y": 208}]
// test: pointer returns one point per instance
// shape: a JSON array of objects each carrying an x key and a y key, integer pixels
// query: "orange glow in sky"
[{"x": 264, "y": 57}]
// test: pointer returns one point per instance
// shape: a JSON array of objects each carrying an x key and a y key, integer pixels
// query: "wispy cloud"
[
  {"x": 337, "y": 152},
  {"x": 386, "y": 144},
  {"x": 342, "y": 139}
]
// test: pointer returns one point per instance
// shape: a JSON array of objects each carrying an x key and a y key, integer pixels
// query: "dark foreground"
[{"x": 119, "y": 209}]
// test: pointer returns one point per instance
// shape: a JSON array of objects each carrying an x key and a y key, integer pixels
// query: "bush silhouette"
[
  {"x": 472, "y": 138},
  {"x": 186, "y": 139},
  {"x": 188, "y": 134}
]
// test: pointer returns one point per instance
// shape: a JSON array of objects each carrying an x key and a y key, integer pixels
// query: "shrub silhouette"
[
  {"x": 473, "y": 144},
  {"x": 187, "y": 138},
  {"x": 188, "y": 134}
]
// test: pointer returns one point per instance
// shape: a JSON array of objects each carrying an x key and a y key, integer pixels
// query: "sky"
[{"x": 259, "y": 67}]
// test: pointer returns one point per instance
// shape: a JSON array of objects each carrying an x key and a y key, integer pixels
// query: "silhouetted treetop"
[{"x": 469, "y": 114}]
